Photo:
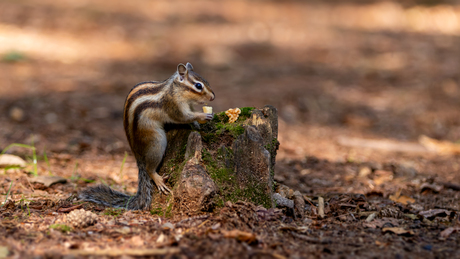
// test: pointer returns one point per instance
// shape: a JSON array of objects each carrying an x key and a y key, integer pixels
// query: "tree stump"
[{"x": 220, "y": 162}]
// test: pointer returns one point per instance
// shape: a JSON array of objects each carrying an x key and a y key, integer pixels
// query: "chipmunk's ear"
[
  {"x": 189, "y": 66},
  {"x": 182, "y": 70}
]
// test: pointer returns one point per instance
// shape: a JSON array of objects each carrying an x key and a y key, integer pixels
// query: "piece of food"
[
  {"x": 233, "y": 114},
  {"x": 207, "y": 109}
]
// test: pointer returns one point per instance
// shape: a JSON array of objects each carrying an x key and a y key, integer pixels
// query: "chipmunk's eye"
[{"x": 199, "y": 86}]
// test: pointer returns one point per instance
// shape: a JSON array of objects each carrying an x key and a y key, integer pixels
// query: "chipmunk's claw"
[
  {"x": 159, "y": 182},
  {"x": 209, "y": 116}
]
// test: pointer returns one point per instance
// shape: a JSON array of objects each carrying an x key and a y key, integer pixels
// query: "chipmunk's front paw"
[
  {"x": 209, "y": 116},
  {"x": 206, "y": 116},
  {"x": 159, "y": 182}
]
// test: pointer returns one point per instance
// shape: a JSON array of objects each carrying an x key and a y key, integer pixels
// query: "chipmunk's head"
[{"x": 197, "y": 88}]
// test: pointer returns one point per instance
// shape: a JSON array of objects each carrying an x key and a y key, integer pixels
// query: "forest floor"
[{"x": 357, "y": 86}]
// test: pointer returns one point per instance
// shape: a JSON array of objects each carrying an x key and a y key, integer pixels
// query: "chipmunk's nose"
[{"x": 213, "y": 97}]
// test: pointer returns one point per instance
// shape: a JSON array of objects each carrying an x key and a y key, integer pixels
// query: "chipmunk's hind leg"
[{"x": 153, "y": 160}]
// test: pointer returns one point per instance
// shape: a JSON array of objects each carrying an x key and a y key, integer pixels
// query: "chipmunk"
[{"x": 148, "y": 106}]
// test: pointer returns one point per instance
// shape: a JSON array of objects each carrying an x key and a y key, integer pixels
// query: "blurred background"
[{"x": 369, "y": 69}]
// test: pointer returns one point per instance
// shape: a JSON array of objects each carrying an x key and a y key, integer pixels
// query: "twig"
[
  {"x": 452, "y": 186},
  {"x": 311, "y": 239},
  {"x": 6, "y": 199},
  {"x": 383, "y": 145},
  {"x": 132, "y": 252},
  {"x": 321, "y": 207},
  {"x": 69, "y": 209}
]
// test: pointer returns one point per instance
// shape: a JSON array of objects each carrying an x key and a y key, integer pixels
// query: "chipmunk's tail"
[{"x": 104, "y": 195}]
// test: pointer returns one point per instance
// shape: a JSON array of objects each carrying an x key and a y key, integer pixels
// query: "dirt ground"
[{"x": 356, "y": 84}]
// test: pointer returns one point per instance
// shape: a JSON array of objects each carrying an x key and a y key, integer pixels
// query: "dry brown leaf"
[
  {"x": 240, "y": 235},
  {"x": 382, "y": 176},
  {"x": 434, "y": 213},
  {"x": 397, "y": 197},
  {"x": 48, "y": 180},
  {"x": 441, "y": 147},
  {"x": 398, "y": 231},
  {"x": 3, "y": 251},
  {"x": 7, "y": 160},
  {"x": 446, "y": 232},
  {"x": 137, "y": 241}
]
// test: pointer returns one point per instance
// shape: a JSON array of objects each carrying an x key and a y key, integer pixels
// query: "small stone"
[
  {"x": 51, "y": 118},
  {"x": 282, "y": 202},
  {"x": 17, "y": 114},
  {"x": 364, "y": 171}
]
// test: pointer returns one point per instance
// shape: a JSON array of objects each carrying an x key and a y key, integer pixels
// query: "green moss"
[
  {"x": 175, "y": 168},
  {"x": 234, "y": 129},
  {"x": 220, "y": 117},
  {"x": 209, "y": 137},
  {"x": 271, "y": 145},
  {"x": 225, "y": 179},
  {"x": 158, "y": 207},
  {"x": 61, "y": 227},
  {"x": 115, "y": 212},
  {"x": 168, "y": 212},
  {"x": 245, "y": 113},
  {"x": 219, "y": 126},
  {"x": 157, "y": 211}
]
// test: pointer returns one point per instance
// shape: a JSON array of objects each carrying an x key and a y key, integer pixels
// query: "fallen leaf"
[
  {"x": 69, "y": 209},
  {"x": 380, "y": 243},
  {"x": 397, "y": 197},
  {"x": 364, "y": 171},
  {"x": 433, "y": 187},
  {"x": 382, "y": 176},
  {"x": 48, "y": 180},
  {"x": 371, "y": 217},
  {"x": 7, "y": 160},
  {"x": 137, "y": 241},
  {"x": 240, "y": 235},
  {"x": 434, "y": 213},
  {"x": 398, "y": 231},
  {"x": 167, "y": 226},
  {"x": 441, "y": 147},
  {"x": 411, "y": 216},
  {"x": 446, "y": 232},
  {"x": 3, "y": 251}
]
